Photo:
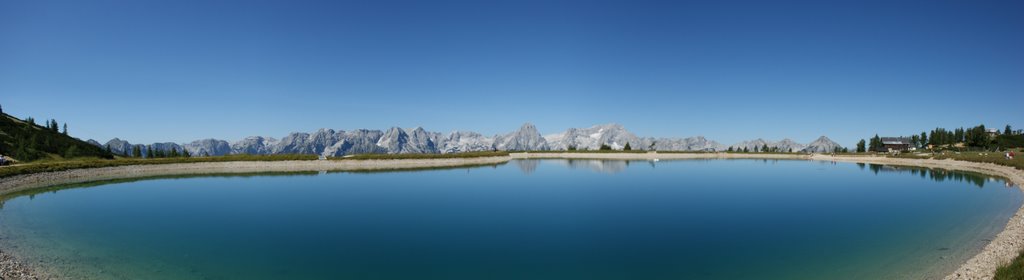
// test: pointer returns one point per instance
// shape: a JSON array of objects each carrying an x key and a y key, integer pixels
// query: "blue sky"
[{"x": 150, "y": 71}]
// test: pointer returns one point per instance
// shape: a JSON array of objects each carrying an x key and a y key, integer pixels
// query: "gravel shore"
[{"x": 1001, "y": 250}]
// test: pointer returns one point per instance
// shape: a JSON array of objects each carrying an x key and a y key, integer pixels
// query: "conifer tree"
[
  {"x": 136, "y": 152},
  {"x": 185, "y": 153},
  {"x": 65, "y": 129},
  {"x": 627, "y": 147},
  {"x": 149, "y": 151},
  {"x": 860, "y": 146}
]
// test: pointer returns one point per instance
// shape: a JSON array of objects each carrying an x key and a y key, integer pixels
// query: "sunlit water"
[{"x": 550, "y": 219}]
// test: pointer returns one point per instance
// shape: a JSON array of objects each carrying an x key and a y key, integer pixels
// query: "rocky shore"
[
  {"x": 12, "y": 269},
  {"x": 1001, "y": 250}
]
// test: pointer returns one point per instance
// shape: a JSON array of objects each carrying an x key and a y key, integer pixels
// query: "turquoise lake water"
[{"x": 528, "y": 219}]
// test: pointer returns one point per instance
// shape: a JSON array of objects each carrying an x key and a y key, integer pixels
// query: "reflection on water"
[
  {"x": 938, "y": 175},
  {"x": 528, "y": 166},
  {"x": 602, "y": 166},
  {"x": 670, "y": 219}
]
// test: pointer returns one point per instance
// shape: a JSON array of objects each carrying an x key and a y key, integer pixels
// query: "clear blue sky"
[{"x": 150, "y": 71}]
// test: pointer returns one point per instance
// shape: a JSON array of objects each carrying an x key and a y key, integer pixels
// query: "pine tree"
[
  {"x": 745, "y": 150},
  {"x": 1008, "y": 131},
  {"x": 185, "y": 153},
  {"x": 627, "y": 147},
  {"x": 149, "y": 151},
  {"x": 65, "y": 129},
  {"x": 107, "y": 149},
  {"x": 174, "y": 152},
  {"x": 860, "y": 146},
  {"x": 730, "y": 149},
  {"x": 136, "y": 152},
  {"x": 875, "y": 144},
  {"x": 765, "y": 148},
  {"x": 605, "y": 147},
  {"x": 924, "y": 139}
]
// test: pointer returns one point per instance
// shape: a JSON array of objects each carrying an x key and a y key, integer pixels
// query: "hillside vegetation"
[
  {"x": 26, "y": 141},
  {"x": 51, "y": 166}
]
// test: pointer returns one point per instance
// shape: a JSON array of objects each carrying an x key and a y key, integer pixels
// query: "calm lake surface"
[{"x": 528, "y": 219}]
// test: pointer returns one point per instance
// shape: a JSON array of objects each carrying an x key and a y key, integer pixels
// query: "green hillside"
[{"x": 26, "y": 141}]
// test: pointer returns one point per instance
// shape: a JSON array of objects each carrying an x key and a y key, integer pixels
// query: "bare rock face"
[
  {"x": 254, "y": 145},
  {"x": 400, "y": 141},
  {"x": 698, "y": 143},
  {"x": 119, "y": 146},
  {"x": 784, "y": 145},
  {"x": 360, "y": 141},
  {"x": 294, "y": 143},
  {"x": 751, "y": 145},
  {"x": 787, "y": 145},
  {"x": 166, "y": 147},
  {"x": 527, "y": 138},
  {"x": 464, "y": 141},
  {"x": 212, "y": 147},
  {"x": 822, "y": 145},
  {"x": 613, "y": 135},
  {"x": 396, "y": 140}
]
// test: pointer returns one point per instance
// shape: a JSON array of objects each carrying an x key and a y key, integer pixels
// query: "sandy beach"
[{"x": 1006, "y": 245}]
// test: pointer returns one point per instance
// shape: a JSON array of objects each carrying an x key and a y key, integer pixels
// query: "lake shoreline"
[{"x": 1001, "y": 250}]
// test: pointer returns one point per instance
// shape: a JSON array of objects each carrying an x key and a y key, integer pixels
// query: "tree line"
[
  {"x": 977, "y": 137},
  {"x": 150, "y": 152}
]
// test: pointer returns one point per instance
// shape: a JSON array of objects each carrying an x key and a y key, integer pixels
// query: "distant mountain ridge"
[{"x": 396, "y": 140}]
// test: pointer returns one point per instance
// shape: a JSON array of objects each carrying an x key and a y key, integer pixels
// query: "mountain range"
[{"x": 396, "y": 140}]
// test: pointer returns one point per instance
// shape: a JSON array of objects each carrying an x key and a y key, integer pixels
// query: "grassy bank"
[
  {"x": 51, "y": 166},
  {"x": 1012, "y": 271},
  {"x": 989, "y": 157}
]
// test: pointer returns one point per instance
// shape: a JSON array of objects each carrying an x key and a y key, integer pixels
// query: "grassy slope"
[
  {"x": 1012, "y": 271},
  {"x": 61, "y": 165},
  {"x": 26, "y": 142},
  {"x": 49, "y": 166},
  {"x": 989, "y": 157}
]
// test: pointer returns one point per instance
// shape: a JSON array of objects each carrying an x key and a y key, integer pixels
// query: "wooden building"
[{"x": 896, "y": 144}]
